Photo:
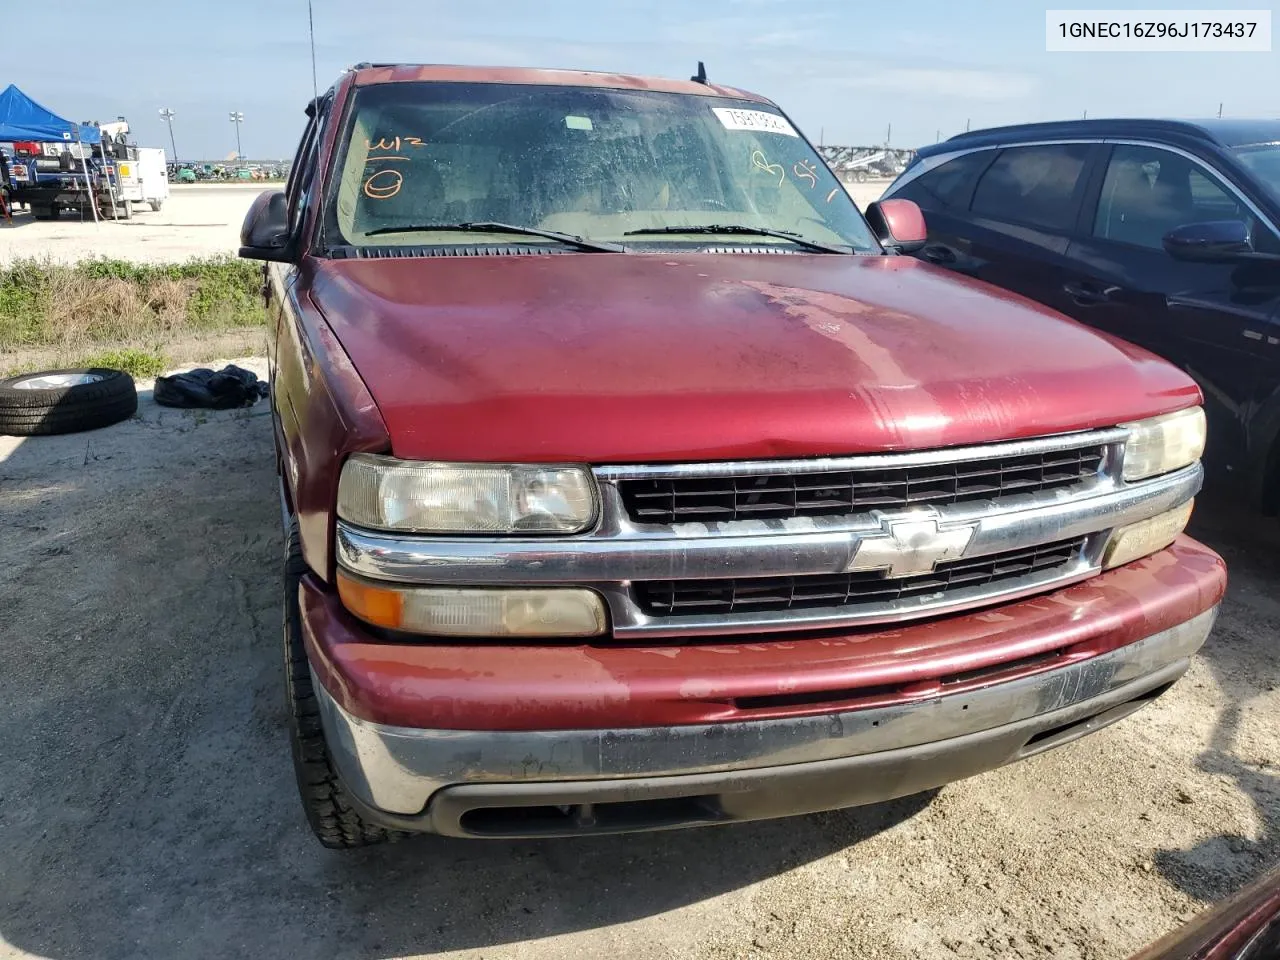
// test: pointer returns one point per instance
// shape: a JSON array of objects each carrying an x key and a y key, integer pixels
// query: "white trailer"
[{"x": 143, "y": 178}]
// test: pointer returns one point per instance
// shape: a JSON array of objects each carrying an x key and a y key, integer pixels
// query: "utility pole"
[
  {"x": 311, "y": 24},
  {"x": 888, "y": 135},
  {"x": 966, "y": 126},
  {"x": 238, "y": 118},
  {"x": 937, "y": 137},
  {"x": 1219, "y": 111},
  {"x": 167, "y": 116},
  {"x": 1085, "y": 116}
]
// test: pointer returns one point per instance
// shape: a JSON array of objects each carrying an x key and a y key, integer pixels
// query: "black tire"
[
  {"x": 156, "y": 205},
  {"x": 26, "y": 411},
  {"x": 42, "y": 213},
  {"x": 334, "y": 821}
]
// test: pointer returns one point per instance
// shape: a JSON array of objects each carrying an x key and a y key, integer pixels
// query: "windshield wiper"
[
  {"x": 593, "y": 246},
  {"x": 730, "y": 229}
]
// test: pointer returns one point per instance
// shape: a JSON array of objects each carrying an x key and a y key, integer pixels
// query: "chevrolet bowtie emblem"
[{"x": 906, "y": 548}]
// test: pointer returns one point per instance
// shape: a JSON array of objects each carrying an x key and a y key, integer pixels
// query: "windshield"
[
  {"x": 583, "y": 161},
  {"x": 1263, "y": 161}
]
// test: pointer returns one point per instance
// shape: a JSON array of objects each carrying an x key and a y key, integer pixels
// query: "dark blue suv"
[{"x": 1162, "y": 232}]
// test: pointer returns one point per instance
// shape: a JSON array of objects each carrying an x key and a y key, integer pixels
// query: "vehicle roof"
[
  {"x": 370, "y": 73},
  {"x": 1222, "y": 133}
]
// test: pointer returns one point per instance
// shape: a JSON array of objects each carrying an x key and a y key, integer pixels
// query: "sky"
[{"x": 848, "y": 72}]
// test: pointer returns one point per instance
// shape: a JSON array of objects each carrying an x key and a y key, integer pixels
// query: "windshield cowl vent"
[
  {"x": 739, "y": 248},
  {"x": 451, "y": 250}
]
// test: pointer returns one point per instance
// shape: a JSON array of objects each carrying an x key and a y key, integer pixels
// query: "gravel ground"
[
  {"x": 197, "y": 221},
  {"x": 147, "y": 807}
]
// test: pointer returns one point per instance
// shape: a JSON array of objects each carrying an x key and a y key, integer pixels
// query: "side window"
[
  {"x": 1033, "y": 185},
  {"x": 949, "y": 185},
  {"x": 297, "y": 172},
  {"x": 302, "y": 173},
  {"x": 1148, "y": 191}
]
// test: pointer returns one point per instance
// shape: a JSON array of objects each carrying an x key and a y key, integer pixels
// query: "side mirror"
[
  {"x": 898, "y": 224},
  {"x": 1214, "y": 241},
  {"x": 265, "y": 232}
]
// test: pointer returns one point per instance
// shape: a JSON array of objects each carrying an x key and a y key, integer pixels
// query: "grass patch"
[
  {"x": 111, "y": 302},
  {"x": 139, "y": 364}
]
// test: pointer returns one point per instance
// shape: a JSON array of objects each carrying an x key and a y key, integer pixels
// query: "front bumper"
[
  {"x": 525, "y": 741},
  {"x": 563, "y": 782}
]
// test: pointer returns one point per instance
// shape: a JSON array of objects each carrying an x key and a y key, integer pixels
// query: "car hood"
[{"x": 624, "y": 358}]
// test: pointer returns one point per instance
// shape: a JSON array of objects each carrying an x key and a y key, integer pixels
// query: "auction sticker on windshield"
[{"x": 733, "y": 119}]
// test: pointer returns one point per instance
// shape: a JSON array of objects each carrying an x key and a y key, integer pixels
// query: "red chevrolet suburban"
[{"x": 633, "y": 479}]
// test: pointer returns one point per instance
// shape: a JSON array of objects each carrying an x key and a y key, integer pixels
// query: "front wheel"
[
  {"x": 156, "y": 205},
  {"x": 335, "y": 822}
]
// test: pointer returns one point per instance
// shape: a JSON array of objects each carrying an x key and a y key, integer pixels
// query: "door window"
[
  {"x": 1149, "y": 191},
  {"x": 948, "y": 185},
  {"x": 1033, "y": 185},
  {"x": 302, "y": 174}
]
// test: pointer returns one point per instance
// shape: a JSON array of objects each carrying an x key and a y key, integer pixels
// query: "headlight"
[
  {"x": 1165, "y": 443},
  {"x": 388, "y": 494},
  {"x": 1145, "y": 537},
  {"x": 476, "y": 611}
]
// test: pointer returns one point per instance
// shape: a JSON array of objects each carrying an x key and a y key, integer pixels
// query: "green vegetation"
[
  {"x": 139, "y": 364},
  {"x": 109, "y": 303}
]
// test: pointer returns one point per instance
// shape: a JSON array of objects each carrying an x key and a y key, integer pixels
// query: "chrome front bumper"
[{"x": 483, "y": 783}]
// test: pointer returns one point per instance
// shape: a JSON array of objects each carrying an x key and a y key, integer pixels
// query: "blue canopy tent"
[{"x": 21, "y": 118}]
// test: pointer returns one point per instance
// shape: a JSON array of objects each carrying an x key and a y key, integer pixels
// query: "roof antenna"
[{"x": 701, "y": 75}]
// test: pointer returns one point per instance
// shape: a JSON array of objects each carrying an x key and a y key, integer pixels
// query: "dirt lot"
[
  {"x": 198, "y": 220},
  {"x": 147, "y": 808}
]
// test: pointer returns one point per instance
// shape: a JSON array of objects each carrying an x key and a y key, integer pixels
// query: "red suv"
[{"x": 634, "y": 480}]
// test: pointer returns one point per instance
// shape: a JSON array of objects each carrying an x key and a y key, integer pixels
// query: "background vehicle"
[
  {"x": 137, "y": 176},
  {"x": 143, "y": 177},
  {"x": 56, "y": 181},
  {"x": 1123, "y": 225},
  {"x": 1244, "y": 926}
]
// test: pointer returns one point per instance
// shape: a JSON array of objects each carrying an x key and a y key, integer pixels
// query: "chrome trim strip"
[
  {"x": 397, "y": 769},
  {"x": 631, "y": 622},
  {"x": 610, "y": 562},
  {"x": 742, "y": 468},
  {"x": 920, "y": 169},
  {"x": 758, "y": 549}
]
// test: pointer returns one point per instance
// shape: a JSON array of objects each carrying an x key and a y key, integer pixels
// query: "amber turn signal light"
[{"x": 373, "y": 604}]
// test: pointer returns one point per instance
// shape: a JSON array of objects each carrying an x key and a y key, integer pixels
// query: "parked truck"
[
  {"x": 55, "y": 180},
  {"x": 116, "y": 174},
  {"x": 142, "y": 178},
  {"x": 622, "y": 495},
  {"x": 138, "y": 176}
]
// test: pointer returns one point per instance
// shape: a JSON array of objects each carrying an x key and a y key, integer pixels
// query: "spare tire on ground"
[{"x": 65, "y": 401}]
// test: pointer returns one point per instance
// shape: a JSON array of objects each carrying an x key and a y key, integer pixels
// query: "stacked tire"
[{"x": 65, "y": 401}]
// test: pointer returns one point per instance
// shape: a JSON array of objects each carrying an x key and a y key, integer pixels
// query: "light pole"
[
  {"x": 237, "y": 118},
  {"x": 167, "y": 116}
]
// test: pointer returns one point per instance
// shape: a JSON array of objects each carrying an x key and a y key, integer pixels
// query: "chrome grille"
[
  {"x": 1040, "y": 511},
  {"x": 666, "y": 598},
  {"x": 843, "y": 492}
]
